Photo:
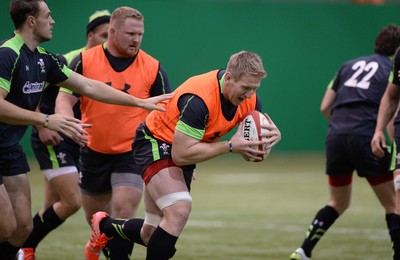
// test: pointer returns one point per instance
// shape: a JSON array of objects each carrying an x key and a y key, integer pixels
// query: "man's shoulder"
[
  {"x": 69, "y": 56},
  {"x": 11, "y": 46},
  {"x": 146, "y": 55}
]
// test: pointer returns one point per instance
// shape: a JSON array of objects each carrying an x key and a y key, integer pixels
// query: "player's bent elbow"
[{"x": 179, "y": 160}]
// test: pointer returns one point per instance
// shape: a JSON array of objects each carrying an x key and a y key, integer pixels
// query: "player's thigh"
[
  {"x": 125, "y": 201},
  {"x": 166, "y": 181},
  {"x": 66, "y": 186}
]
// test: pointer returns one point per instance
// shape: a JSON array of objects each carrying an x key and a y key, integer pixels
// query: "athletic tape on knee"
[
  {"x": 152, "y": 219},
  {"x": 397, "y": 182},
  {"x": 172, "y": 198}
]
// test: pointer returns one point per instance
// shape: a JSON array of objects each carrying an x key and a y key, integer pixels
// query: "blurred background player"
[
  {"x": 167, "y": 147},
  {"x": 387, "y": 109},
  {"x": 26, "y": 70},
  {"x": 351, "y": 105},
  {"x": 58, "y": 155},
  {"x": 110, "y": 181}
]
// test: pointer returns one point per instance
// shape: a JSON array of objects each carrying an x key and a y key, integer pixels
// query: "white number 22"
[{"x": 359, "y": 67}]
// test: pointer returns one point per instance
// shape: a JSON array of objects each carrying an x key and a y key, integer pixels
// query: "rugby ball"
[{"x": 251, "y": 130}]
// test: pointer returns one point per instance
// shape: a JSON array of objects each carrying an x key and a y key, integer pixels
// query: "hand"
[
  {"x": 69, "y": 126},
  {"x": 378, "y": 143},
  {"x": 273, "y": 135},
  {"x": 248, "y": 149},
  {"x": 153, "y": 102},
  {"x": 48, "y": 137}
]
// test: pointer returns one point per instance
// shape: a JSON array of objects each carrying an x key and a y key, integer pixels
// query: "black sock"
[
  {"x": 119, "y": 248},
  {"x": 321, "y": 223},
  {"x": 8, "y": 251},
  {"x": 42, "y": 226},
  {"x": 395, "y": 236},
  {"x": 161, "y": 245},
  {"x": 126, "y": 229},
  {"x": 388, "y": 218}
]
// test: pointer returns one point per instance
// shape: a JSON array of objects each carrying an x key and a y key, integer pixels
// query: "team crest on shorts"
[
  {"x": 61, "y": 156},
  {"x": 398, "y": 158},
  {"x": 165, "y": 148}
]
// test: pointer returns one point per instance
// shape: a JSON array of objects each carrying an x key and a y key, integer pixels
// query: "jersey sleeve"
[
  {"x": 193, "y": 117},
  {"x": 75, "y": 65},
  {"x": 58, "y": 71},
  {"x": 334, "y": 84},
  {"x": 7, "y": 62},
  {"x": 62, "y": 59},
  {"x": 161, "y": 84}
]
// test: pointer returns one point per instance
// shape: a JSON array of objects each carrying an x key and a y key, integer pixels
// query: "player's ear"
[
  {"x": 112, "y": 32},
  {"x": 228, "y": 76},
  {"x": 30, "y": 20}
]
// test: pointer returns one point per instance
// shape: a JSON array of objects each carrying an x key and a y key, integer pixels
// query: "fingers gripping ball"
[{"x": 252, "y": 129}]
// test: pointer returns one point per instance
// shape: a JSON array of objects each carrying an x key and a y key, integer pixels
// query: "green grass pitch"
[{"x": 250, "y": 211}]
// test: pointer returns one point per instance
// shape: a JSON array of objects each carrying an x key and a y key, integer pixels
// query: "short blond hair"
[
  {"x": 245, "y": 62},
  {"x": 121, "y": 13}
]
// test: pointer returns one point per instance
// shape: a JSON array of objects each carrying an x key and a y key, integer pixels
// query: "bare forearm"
[
  {"x": 65, "y": 103},
  {"x": 386, "y": 112},
  {"x": 100, "y": 91},
  {"x": 14, "y": 115},
  {"x": 199, "y": 152}
]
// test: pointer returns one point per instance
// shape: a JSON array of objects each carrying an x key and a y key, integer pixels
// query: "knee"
[
  {"x": 7, "y": 231},
  {"x": 119, "y": 211},
  {"x": 21, "y": 233},
  {"x": 72, "y": 204},
  {"x": 26, "y": 230},
  {"x": 340, "y": 207},
  {"x": 75, "y": 205},
  {"x": 183, "y": 211},
  {"x": 178, "y": 204}
]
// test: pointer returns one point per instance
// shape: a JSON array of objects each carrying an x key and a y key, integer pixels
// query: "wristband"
[
  {"x": 230, "y": 146},
  {"x": 46, "y": 121}
]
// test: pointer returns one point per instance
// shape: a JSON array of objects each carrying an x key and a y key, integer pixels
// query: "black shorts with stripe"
[
  {"x": 96, "y": 169},
  {"x": 147, "y": 150},
  {"x": 346, "y": 153},
  {"x": 13, "y": 162},
  {"x": 66, "y": 153}
]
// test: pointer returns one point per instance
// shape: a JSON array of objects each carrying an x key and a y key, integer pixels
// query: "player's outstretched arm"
[
  {"x": 15, "y": 115},
  {"x": 69, "y": 126},
  {"x": 387, "y": 108},
  {"x": 102, "y": 92}
]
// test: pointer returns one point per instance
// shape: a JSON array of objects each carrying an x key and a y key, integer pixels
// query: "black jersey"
[
  {"x": 395, "y": 79},
  {"x": 24, "y": 74},
  {"x": 359, "y": 85},
  {"x": 48, "y": 100}
]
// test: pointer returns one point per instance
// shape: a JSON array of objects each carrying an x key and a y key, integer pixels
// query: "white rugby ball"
[{"x": 251, "y": 130}]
